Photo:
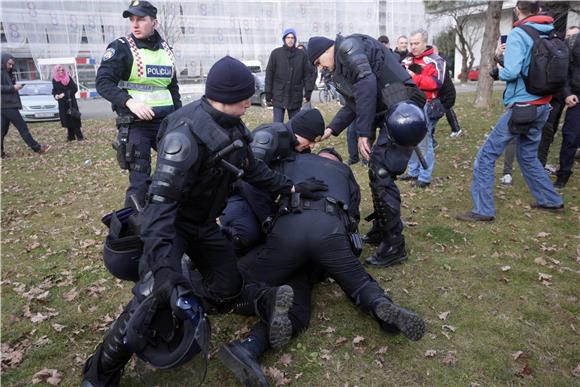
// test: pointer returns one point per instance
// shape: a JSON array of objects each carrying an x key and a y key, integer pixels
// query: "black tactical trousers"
[
  {"x": 142, "y": 138},
  {"x": 387, "y": 161},
  {"x": 300, "y": 244}
]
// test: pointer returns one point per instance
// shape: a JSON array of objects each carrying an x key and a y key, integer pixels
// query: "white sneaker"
[
  {"x": 551, "y": 169},
  {"x": 456, "y": 134},
  {"x": 506, "y": 179}
]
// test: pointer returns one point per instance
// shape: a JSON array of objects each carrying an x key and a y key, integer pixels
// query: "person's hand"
[
  {"x": 327, "y": 133},
  {"x": 141, "y": 110},
  {"x": 411, "y": 73},
  {"x": 499, "y": 67},
  {"x": 307, "y": 97},
  {"x": 269, "y": 98},
  {"x": 310, "y": 188},
  {"x": 364, "y": 147},
  {"x": 165, "y": 281},
  {"x": 61, "y": 95},
  {"x": 571, "y": 100},
  {"x": 500, "y": 50},
  {"x": 18, "y": 87}
]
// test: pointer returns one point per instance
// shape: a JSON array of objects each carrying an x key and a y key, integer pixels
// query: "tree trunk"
[{"x": 484, "y": 93}]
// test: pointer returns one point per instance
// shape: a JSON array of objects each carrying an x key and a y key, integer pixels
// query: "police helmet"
[
  {"x": 168, "y": 335},
  {"x": 121, "y": 257},
  {"x": 406, "y": 123}
]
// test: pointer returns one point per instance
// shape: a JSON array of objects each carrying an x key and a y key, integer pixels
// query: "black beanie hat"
[
  {"x": 229, "y": 81},
  {"x": 308, "y": 124},
  {"x": 316, "y": 47}
]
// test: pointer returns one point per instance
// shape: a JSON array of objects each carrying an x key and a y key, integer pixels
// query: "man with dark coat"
[
  {"x": 289, "y": 78},
  {"x": 137, "y": 75},
  {"x": 372, "y": 81},
  {"x": 307, "y": 239},
  {"x": 187, "y": 193},
  {"x": 11, "y": 104}
]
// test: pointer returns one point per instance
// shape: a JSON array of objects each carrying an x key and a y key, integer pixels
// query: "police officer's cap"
[{"x": 140, "y": 8}]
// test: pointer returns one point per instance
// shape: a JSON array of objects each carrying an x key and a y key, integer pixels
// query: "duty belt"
[
  {"x": 293, "y": 203},
  {"x": 137, "y": 86}
]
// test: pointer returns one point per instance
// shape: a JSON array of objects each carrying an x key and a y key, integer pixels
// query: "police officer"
[
  {"x": 375, "y": 86},
  {"x": 203, "y": 149},
  {"x": 308, "y": 237},
  {"x": 137, "y": 75},
  {"x": 249, "y": 209}
]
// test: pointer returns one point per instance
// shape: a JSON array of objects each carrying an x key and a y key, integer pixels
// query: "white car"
[{"x": 38, "y": 103}]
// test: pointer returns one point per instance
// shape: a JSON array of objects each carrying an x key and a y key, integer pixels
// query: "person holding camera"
[
  {"x": 64, "y": 90},
  {"x": 523, "y": 120}
]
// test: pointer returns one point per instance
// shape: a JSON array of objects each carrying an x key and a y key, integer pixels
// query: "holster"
[{"x": 120, "y": 144}]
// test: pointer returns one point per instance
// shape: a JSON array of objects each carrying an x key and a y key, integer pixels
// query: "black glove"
[
  {"x": 165, "y": 281},
  {"x": 416, "y": 96},
  {"x": 310, "y": 188},
  {"x": 417, "y": 69}
]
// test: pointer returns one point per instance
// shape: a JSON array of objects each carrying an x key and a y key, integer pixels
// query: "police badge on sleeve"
[{"x": 108, "y": 54}]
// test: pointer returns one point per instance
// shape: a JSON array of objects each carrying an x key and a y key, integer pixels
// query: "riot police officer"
[
  {"x": 249, "y": 209},
  {"x": 137, "y": 75},
  {"x": 375, "y": 87},
  {"x": 309, "y": 237},
  {"x": 203, "y": 149}
]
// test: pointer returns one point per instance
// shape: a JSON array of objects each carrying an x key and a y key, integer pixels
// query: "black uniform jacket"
[
  {"x": 204, "y": 186},
  {"x": 10, "y": 96},
  {"x": 116, "y": 66},
  {"x": 362, "y": 67}
]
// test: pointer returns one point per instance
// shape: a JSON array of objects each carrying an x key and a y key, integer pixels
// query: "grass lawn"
[{"x": 501, "y": 300}]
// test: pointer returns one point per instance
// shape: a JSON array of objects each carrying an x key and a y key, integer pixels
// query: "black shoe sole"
[
  {"x": 280, "y": 331},
  {"x": 245, "y": 373},
  {"x": 386, "y": 263},
  {"x": 408, "y": 322}
]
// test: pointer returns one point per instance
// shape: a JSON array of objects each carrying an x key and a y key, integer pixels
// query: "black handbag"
[
  {"x": 435, "y": 109},
  {"x": 522, "y": 118},
  {"x": 72, "y": 111}
]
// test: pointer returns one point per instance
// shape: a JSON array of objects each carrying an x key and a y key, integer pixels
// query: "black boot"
[
  {"x": 388, "y": 253},
  {"x": 373, "y": 237},
  {"x": 105, "y": 367},
  {"x": 561, "y": 181},
  {"x": 272, "y": 306},
  {"x": 243, "y": 363},
  {"x": 392, "y": 317}
]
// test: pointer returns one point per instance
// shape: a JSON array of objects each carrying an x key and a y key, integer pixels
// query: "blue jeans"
[
  {"x": 279, "y": 113},
  {"x": 352, "y": 143},
  {"x": 426, "y": 146},
  {"x": 527, "y": 155}
]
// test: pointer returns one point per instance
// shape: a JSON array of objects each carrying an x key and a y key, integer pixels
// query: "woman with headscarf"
[{"x": 64, "y": 89}]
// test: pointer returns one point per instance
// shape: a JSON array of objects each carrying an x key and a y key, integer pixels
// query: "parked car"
[
  {"x": 38, "y": 104},
  {"x": 259, "y": 97},
  {"x": 473, "y": 74}
]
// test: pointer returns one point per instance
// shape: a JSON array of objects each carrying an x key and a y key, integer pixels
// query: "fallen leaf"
[
  {"x": 329, "y": 330},
  {"x": 340, "y": 340},
  {"x": 450, "y": 358},
  {"x": 358, "y": 339},
  {"x": 524, "y": 371},
  {"x": 58, "y": 327},
  {"x": 450, "y": 327},
  {"x": 506, "y": 268},
  {"x": 47, "y": 375},
  {"x": 278, "y": 376},
  {"x": 517, "y": 355},
  {"x": 286, "y": 359},
  {"x": 382, "y": 350},
  {"x": 542, "y": 234},
  {"x": 430, "y": 353},
  {"x": 540, "y": 261},
  {"x": 70, "y": 295},
  {"x": 443, "y": 316},
  {"x": 576, "y": 371}
]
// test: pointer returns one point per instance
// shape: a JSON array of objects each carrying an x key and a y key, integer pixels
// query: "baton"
[{"x": 420, "y": 157}]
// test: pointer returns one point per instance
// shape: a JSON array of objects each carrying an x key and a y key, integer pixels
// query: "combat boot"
[
  {"x": 244, "y": 364},
  {"x": 373, "y": 237},
  {"x": 392, "y": 317},
  {"x": 561, "y": 181},
  {"x": 388, "y": 254},
  {"x": 272, "y": 306},
  {"x": 105, "y": 367}
]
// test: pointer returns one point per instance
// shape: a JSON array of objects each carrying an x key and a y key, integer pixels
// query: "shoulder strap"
[{"x": 531, "y": 31}]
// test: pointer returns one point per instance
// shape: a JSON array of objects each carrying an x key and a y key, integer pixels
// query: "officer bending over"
[
  {"x": 137, "y": 75},
  {"x": 203, "y": 149},
  {"x": 308, "y": 237},
  {"x": 249, "y": 210},
  {"x": 376, "y": 88}
]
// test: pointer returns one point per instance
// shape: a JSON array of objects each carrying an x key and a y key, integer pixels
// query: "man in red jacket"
[{"x": 428, "y": 72}]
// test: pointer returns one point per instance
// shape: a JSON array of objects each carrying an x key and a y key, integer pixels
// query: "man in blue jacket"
[{"x": 517, "y": 55}]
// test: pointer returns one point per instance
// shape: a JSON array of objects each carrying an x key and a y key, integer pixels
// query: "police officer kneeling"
[
  {"x": 378, "y": 92},
  {"x": 137, "y": 75},
  {"x": 203, "y": 149}
]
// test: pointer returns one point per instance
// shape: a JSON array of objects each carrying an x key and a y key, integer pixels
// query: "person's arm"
[
  {"x": 514, "y": 56},
  {"x": 431, "y": 77},
  {"x": 355, "y": 197},
  {"x": 115, "y": 66},
  {"x": 342, "y": 120},
  {"x": 157, "y": 229},
  {"x": 174, "y": 90},
  {"x": 261, "y": 176},
  {"x": 309, "y": 78},
  {"x": 7, "y": 85},
  {"x": 73, "y": 88}
]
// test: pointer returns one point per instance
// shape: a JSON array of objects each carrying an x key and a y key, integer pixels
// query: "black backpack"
[{"x": 549, "y": 64}]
